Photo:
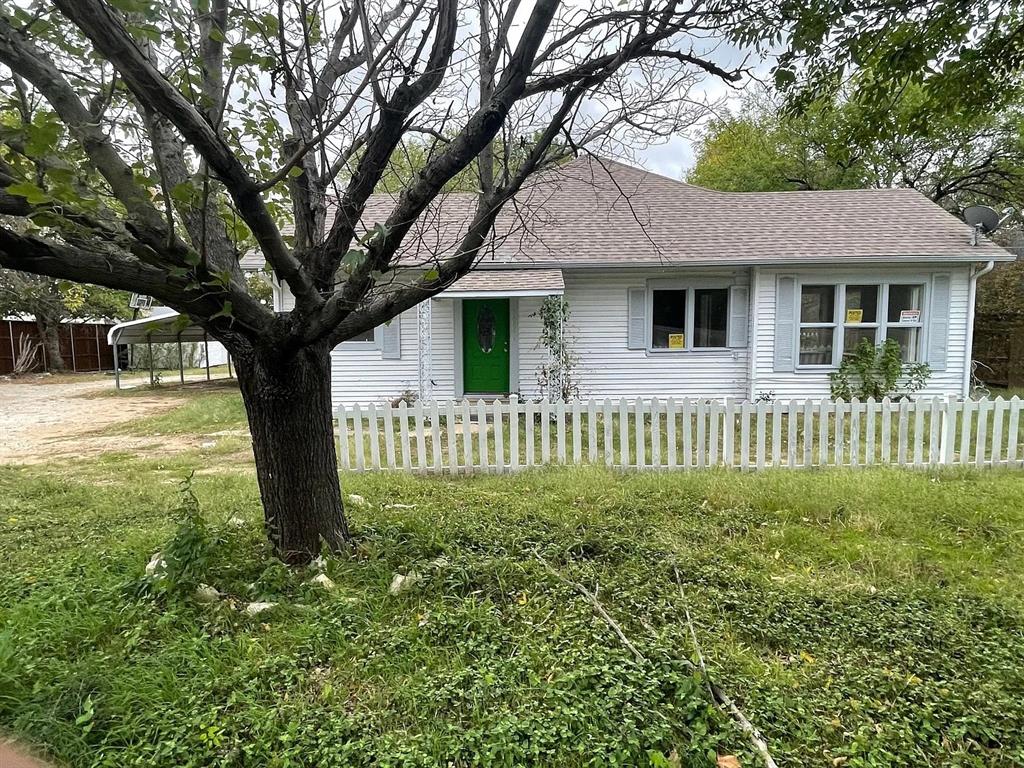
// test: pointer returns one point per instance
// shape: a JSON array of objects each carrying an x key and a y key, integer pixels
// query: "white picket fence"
[{"x": 480, "y": 436}]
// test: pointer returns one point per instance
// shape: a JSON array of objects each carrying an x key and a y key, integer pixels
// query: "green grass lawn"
[{"x": 867, "y": 618}]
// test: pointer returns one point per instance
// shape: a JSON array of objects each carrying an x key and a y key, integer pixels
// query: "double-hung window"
[
  {"x": 817, "y": 325},
  {"x": 688, "y": 318},
  {"x": 903, "y": 319},
  {"x": 860, "y": 317},
  {"x": 836, "y": 318}
]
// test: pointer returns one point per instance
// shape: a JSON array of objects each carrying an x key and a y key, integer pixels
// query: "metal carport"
[{"x": 169, "y": 328}]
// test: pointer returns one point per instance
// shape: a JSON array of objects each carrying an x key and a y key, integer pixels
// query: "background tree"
[
  {"x": 955, "y": 159},
  {"x": 200, "y": 128},
  {"x": 965, "y": 56},
  {"x": 51, "y": 302}
]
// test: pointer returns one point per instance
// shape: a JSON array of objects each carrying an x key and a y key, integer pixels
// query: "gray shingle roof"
[{"x": 592, "y": 212}]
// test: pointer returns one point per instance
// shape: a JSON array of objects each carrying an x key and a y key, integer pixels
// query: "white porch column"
[{"x": 424, "y": 349}]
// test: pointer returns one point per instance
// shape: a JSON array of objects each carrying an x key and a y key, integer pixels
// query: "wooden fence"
[
  {"x": 480, "y": 436},
  {"x": 83, "y": 346}
]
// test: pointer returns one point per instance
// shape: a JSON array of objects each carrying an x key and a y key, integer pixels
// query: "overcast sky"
[
  {"x": 672, "y": 159},
  {"x": 676, "y": 156}
]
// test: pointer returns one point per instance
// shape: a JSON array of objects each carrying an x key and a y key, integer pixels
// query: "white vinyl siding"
[
  {"x": 532, "y": 354},
  {"x": 442, "y": 341},
  {"x": 598, "y": 321},
  {"x": 360, "y": 374},
  {"x": 815, "y": 383}
]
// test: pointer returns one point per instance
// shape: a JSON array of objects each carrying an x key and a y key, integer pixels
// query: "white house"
[{"x": 676, "y": 290}]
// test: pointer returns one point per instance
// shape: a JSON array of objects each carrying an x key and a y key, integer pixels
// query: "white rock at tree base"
[
  {"x": 156, "y": 565},
  {"x": 207, "y": 594},
  {"x": 323, "y": 580},
  {"x": 355, "y": 498},
  {"x": 254, "y": 609},
  {"x": 403, "y": 583}
]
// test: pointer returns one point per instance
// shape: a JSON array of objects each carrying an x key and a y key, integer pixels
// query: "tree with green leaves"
[
  {"x": 954, "y": 159},
  {"x": 51, "y": 302},
  {"x": 168, "y": 138}
]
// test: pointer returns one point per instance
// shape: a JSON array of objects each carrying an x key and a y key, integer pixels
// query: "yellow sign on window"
[
  {"x": 675, "y": 341},
  {"x": 855, "y": 315}
]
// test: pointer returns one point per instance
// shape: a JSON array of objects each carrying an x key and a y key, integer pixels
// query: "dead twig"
[
  {"x": 720, "y": 697},
  {"x": 723, "y": 699},
  {"x": 592, "y": 599}
]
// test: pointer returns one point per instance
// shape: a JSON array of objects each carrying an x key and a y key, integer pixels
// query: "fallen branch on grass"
[{"x": 720, "y": 697}]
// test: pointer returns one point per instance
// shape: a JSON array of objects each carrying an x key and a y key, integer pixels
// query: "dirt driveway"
[
  {"x": 44, "y": 418},
  {"x": 16, "y": 758}
]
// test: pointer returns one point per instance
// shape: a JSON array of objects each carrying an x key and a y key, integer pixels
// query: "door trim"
[
  {"x": 513, "y": 344},
  {"x": 460, "y": 388}
]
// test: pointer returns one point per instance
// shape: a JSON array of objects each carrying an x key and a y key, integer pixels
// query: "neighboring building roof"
[
  {"x": 65, "y": 321},
  {"x": 593, "y": 212},
  {"x": 508, "y": 282},
  {"x": 159, "y": 329}
]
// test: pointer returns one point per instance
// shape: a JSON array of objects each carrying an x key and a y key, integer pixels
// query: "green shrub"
[
  {"x": 182, "y": 563},
  {"x": 878, "y": 372}
]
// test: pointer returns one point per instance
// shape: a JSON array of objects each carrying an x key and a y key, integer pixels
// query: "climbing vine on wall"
[{"x": 557, "y": 376}]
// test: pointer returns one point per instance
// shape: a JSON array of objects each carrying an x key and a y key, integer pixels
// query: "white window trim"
[
  {"x": 689, "y": 286},
  {"x": 839, "y": 324}
]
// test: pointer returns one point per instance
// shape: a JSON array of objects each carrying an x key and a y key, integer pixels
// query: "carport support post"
[
  {"x": 117, "y": 368},
  {"x": 206, "y": 349},
  {"x": 149, "y": 346},
  {"x": 181, "y": 361},
  {"x": 230, "y": 376}
]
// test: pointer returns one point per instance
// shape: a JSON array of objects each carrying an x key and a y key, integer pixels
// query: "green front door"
[{"x": 485, "y": 341}]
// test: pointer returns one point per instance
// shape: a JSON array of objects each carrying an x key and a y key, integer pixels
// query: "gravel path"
[
  {"x": 42, "y": 418},
  {"x": 9, "y": 758}
]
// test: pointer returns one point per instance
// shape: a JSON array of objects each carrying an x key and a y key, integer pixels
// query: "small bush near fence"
[{"x": 686, "y": 434}]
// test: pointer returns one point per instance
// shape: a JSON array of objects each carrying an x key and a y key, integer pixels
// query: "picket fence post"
[
  {"x": 1012, "y": 431},
  {"x": 421, "y": 440},
  {"x": 513, "y": 432},
  {"x": 371, "y": 421},
  {"x": 343, "y": 436},
  {"x": 389, "y": 434}
]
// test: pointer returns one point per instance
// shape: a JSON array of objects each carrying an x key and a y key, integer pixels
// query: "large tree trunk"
[
  {"x": 50, "y": 333},
  {"x": 288, "y": 403}
]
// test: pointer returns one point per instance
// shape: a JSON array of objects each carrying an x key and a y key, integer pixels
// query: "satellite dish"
[{"x": 982, "y": 218}]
